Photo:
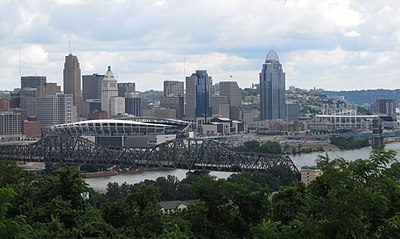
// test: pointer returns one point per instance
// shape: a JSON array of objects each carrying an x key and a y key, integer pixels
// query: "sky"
[{"x": 329, "y": 44}]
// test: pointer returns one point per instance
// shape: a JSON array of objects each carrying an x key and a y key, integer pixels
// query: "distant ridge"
[{"x": 360, "y": 97}]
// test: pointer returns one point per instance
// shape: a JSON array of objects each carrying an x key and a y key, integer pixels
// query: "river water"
[{"x": 300, "y": 160}]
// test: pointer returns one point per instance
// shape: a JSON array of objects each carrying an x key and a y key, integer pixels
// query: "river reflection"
[{"x": 100, "y": 184}]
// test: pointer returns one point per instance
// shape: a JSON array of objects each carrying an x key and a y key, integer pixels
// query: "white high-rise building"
[
  {"x": 117, "y": 105},
  {"x": 109, "y": 89}
]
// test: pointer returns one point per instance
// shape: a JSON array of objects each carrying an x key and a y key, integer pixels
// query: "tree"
[{"x": 11, "y": 227}]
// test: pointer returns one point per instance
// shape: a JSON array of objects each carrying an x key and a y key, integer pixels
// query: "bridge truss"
[{"x": 188, "y": 154}]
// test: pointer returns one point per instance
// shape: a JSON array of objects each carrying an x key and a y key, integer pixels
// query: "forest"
[{"x": 351, "y": 199}]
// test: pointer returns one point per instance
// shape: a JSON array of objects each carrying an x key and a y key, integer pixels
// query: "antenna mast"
[{"x": 69, "y": 42}]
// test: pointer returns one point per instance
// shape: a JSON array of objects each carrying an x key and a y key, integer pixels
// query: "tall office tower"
[
  {"x": 125, "y": 88},
  {"x": 231, "y": 90},
  {"x": 198, "y": 88},
  {"x": 55, "y": 109},
  {"x": 385, "y": 106},
  {"x": 108, "y": 90},
  {"x": 32, "y": 81},
  {"x": 27, "y": 97},
  {"x": 272, "y": 89},
  {"x": 10, "y": 126},
  {"x": 133, "y": 105},
  {"x": 92, "y": 86},
  {"x": 174, "y": 88},
  {"x": 72, "y": 80}
]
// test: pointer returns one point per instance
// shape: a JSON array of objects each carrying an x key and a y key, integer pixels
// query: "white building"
[
  {"x": 109, "y": 89},
  {"x": 117, "y": 106}
]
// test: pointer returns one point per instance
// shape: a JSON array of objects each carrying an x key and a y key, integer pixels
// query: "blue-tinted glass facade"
[{"x": 203, "y": 86}]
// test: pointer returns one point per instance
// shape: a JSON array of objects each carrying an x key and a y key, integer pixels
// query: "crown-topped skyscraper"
[{"x": 272, "y": 89}]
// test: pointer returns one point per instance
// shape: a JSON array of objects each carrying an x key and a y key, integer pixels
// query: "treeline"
[
  {"x": 255, "y": 146},
  {"x": 358, "y": 199},
  {"x": 349, "y": 142}
]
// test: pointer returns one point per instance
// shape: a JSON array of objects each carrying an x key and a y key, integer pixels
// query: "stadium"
[{"x": 124, "y": 132}]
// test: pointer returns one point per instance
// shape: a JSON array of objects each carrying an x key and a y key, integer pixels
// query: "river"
[{"x": 300, "y": 160}]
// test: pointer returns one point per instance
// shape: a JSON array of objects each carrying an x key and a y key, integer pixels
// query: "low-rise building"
[{"x": 309, "y": 174}]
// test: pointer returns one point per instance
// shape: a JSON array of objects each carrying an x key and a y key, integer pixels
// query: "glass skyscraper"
[
  {"x": 272, "y": 89},
  {"x": 198, "y": 88}
]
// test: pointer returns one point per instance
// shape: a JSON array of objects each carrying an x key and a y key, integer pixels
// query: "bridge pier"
[{"x": 377, "y": 139}]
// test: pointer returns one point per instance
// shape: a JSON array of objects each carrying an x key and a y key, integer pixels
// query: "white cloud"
[
  {"x": 332, "y": 43},
  {"x": 352, "y": 34}
]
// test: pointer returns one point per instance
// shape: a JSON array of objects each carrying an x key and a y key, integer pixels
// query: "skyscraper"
[
  {"x": 92, "y": 86},
  {"x": 272, "y": 89},
  {"x": 32, "y": 81},
  {"x": 72, "y": 80},
  {"x": 198, "y": 88},
  {"x": 231, "y": 90},
  {"x": 108, "y": 90}
]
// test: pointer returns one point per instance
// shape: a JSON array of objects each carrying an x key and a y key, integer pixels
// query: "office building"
[
  {"x": 90, "y": 106},
  {"x": 198, "y": 89},
  {"x": 176, "y": 103},
  {"x": 48, "y": 88},
  {"x": 55, "y": 109},
  {"x": 32, "y": 81},
  {"x": 72, "y": 80},
  {"x": 292, "y": 111},
  {"x": 117, "y": 106},
  {"x": 125, "y": 88},
  {"x": 27, "y": 98},
  {"x": 174, "y": 88},
  {"x": 10, "y": 126},
  {"x": 272, "y": 89},
  {"x": 108, "y": 90},
  {"x": 219, "y": 106},
  {"x": 32, "y": 129},
  {"x": 133, "y": 105},
  {"x": 4, "y": 105},
  {"x": 231, "y": 90},
  {"x": 385, "y": 106},
  {"x": 91, "y": 86}
]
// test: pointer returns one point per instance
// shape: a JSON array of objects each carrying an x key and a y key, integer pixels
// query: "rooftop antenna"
[
  {"x": 19, "y": 62},
  {"x": 69, "y": 42},
  {"x": 184, "y": 67}
]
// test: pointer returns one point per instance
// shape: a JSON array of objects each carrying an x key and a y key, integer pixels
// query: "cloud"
[
  {"x": 332, "y": 43},
  {"x": 352, "y": 34}
]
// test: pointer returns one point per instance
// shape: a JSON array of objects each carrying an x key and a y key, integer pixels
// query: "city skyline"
[{"x": 335, "y": 45}]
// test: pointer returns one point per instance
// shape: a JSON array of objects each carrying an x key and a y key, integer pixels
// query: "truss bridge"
[{"x": 191, "y": 154}]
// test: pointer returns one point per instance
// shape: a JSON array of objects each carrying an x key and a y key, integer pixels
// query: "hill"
[{"x": 359, "y": 97}]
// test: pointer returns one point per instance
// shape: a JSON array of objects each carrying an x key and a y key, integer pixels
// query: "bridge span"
[{"x": 185, "y": 153}]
